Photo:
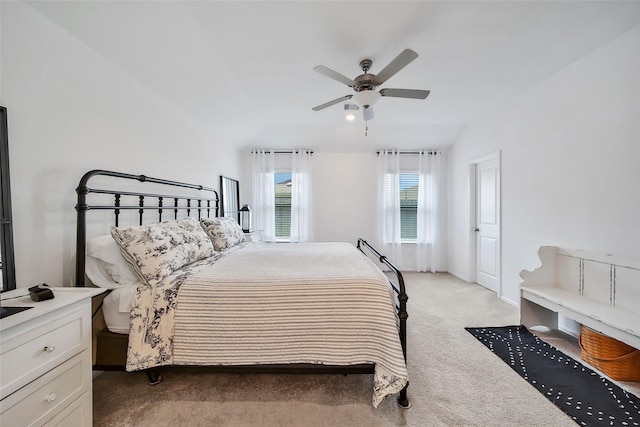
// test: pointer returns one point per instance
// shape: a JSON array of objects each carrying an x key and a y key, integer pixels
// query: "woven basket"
[{"x": 615, "y": 359}]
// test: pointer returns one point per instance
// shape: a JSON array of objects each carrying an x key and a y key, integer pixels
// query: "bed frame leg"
[
  {"x": 403, "y": 400},
  {"x": 153, "y": 376}
]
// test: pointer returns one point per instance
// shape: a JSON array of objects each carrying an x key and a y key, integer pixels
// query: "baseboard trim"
[
  {"x": 508, "y": 301},
  {"x": 458, "y": 276}
]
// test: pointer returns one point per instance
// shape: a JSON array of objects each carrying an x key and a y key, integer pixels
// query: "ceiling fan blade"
[
  {"x": 394, "y": 66},
  {"x": 368, "y": 113},
  {"x": 330, "y": 103},
  {"x": 405, "y": 93},
  {"x": 334, "y": 75}
]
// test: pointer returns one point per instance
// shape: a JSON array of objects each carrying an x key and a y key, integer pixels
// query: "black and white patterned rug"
[{"x": 584, "y": 395}]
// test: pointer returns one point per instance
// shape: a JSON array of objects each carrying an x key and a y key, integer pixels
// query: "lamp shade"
[
  {"x": 245, "y": 218},
  {"x": 365, "y": 98}
]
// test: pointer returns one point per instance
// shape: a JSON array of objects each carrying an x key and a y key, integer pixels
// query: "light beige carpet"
[{"x": 454, "y": 380}]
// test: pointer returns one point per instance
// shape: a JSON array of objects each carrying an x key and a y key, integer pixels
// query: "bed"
[{"x": 187, "y": 290}]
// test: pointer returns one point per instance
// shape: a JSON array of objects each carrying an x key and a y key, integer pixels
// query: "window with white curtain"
[
  {"x": 281, "y": 195},
  {"x": 411, "y": 210}
]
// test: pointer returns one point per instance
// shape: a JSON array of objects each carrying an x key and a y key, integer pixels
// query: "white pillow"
[
  {"x": 97, "y": 273},
  {"x": 105, "y": 252},
  {"x": 224, "y": 232},
  {"x": 157, "y": 250}
]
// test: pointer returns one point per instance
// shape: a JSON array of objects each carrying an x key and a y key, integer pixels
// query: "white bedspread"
[{"x": 321, "y": 303}]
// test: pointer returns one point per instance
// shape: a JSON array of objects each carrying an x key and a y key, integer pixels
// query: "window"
[
  {"x": 410, "y": 206},
  {"x": 407, "y": 186},
  {"x": 281, "y": 195},
  {"x": 282, "y": 190}
]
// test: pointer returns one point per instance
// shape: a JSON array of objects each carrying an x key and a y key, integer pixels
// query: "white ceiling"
[{"x": 245, "y": 69}]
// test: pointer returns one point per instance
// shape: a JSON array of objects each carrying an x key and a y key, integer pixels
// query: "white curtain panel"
[
  {"x": 430, "y": 220},
  {"x": 301, "y": 196},
  {"x": 389, "y": 191},
  {"x": 263, "y": 193},
  {"x": 429, "y": 241}
]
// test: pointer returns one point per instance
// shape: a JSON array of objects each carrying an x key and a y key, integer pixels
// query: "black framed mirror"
[
  {"x": 229, "y": 198},
  {"x": 6, "y": 230}
]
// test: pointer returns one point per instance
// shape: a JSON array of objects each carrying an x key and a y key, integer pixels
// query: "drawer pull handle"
[
  {"x": 49, "y": 348},
  {"x": 51, "y": 397}
]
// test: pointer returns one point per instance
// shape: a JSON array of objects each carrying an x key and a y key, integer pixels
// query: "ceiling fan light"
[
  {"x": 365, "y": 98},
  {"x": 349, "y": 109}
]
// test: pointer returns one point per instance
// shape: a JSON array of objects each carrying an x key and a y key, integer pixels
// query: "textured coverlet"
[{"x": 319, "y": 303}]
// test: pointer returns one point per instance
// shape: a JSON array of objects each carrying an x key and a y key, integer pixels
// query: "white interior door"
[{"x": 487, "y": 224}]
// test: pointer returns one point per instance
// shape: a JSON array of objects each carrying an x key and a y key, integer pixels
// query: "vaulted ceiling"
[{"x": 245, "y": 69}]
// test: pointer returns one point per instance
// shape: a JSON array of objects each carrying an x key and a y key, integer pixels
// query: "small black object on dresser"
[{"x": 40, "y": 293}]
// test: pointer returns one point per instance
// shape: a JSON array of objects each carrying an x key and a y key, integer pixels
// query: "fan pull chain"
[{"x": 366, "y": 128}]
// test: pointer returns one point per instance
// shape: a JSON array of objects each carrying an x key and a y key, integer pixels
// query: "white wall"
[
  {"x": 70, "y": 110},
  {"x": 344, "y": 202},
  {"x": 570, "y": 164}
]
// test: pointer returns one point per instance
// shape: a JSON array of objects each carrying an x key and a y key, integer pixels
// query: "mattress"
[{"x": 116, "y": 308}]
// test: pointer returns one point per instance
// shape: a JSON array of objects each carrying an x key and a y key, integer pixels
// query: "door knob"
[{"x": 476, "y": 229}]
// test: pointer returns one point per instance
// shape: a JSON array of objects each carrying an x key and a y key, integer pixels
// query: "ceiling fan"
[{"x": 365, "y": 84}]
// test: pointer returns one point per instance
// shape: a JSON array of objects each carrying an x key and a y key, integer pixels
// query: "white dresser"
[{"x": 45, "y": 359}]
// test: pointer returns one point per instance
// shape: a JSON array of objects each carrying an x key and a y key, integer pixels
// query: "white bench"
[{"x": 600, "y": 291}]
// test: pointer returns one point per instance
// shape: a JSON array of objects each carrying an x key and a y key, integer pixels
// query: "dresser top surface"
[{"x": 63, "y": 296}]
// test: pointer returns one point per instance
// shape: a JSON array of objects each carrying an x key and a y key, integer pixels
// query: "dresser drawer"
[
  {"x": 41, "y": 347},
  {"x": 78, "y": 414},
  {"x": 50, "y": 394}
]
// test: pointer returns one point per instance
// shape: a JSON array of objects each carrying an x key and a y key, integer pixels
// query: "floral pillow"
[
  {"x": 224, "y": 232},
  {"x": 157, "y": 250}
]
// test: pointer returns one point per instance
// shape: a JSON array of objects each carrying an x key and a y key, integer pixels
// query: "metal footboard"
[{"x": 401, "y": 307}]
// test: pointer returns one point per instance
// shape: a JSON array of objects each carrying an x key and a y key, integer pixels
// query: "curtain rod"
[
  {"x": 283, "y": 151},
  {"x": 431, "y": 152}
]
